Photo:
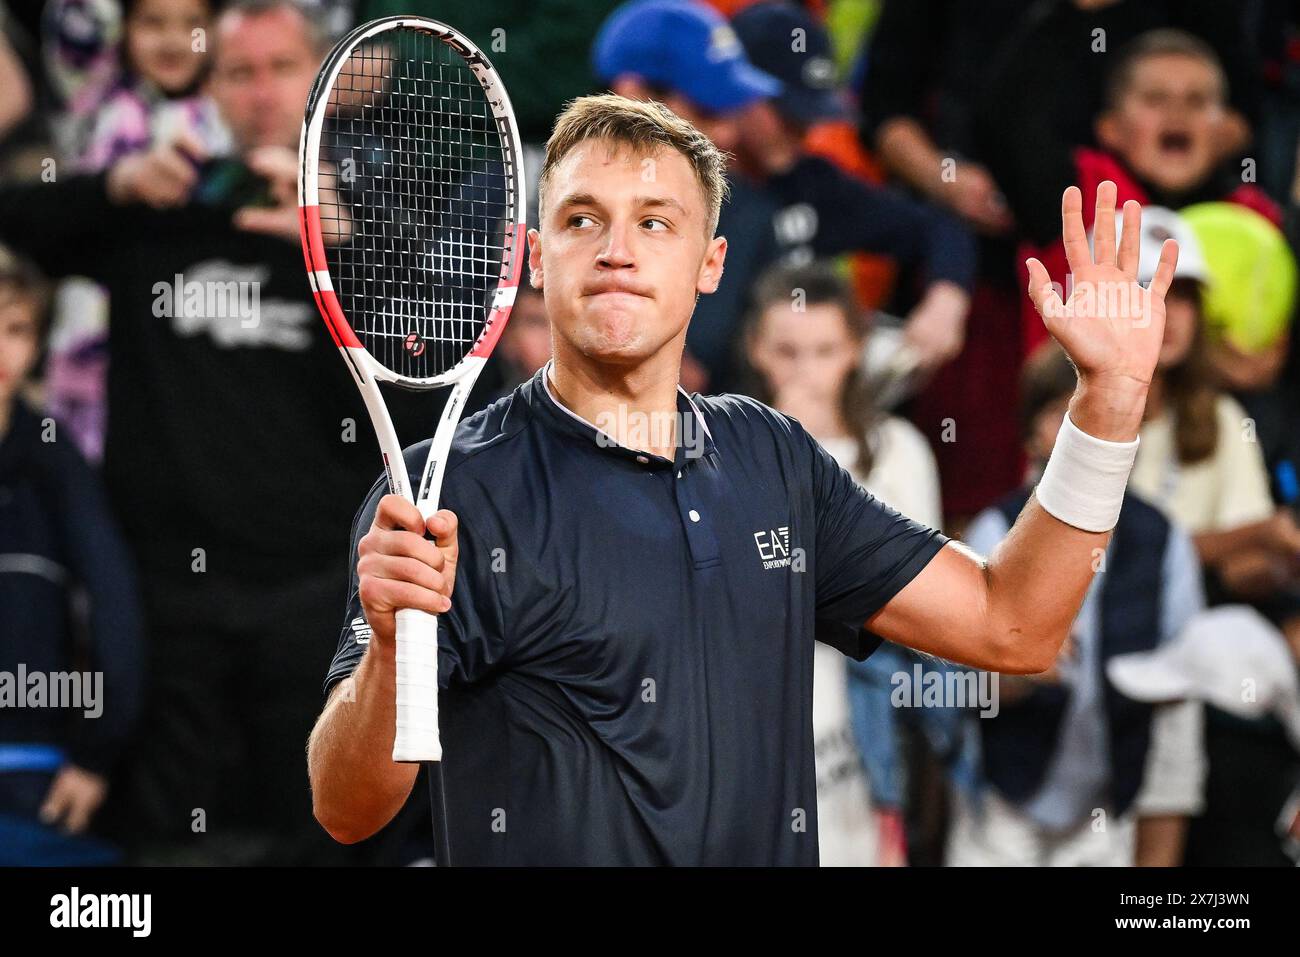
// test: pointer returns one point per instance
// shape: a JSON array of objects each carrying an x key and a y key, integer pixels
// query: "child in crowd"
[
  {"x": 154, "y": 97},
  {"x": 157, "y": 93},
  {"x": 65, "y": 575},
  {"x": 805, "y": 342}
]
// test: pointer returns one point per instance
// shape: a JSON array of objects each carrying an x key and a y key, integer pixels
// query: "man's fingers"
[
  {"x": 383, "y": 593},
  {"x": 403, "y": 545},
  {"x": 442, "y": 525},
  {"x": 274, "y": 163},
  {"x": 399, "y": 568},
  {"x": 1041, "y": 293},
  {"x": 1103, "y": 225},
  {"x": 1165, "y": 268},
  {"x": 1072, "y": 231},
  {"x": 396, "y": 512},
  {"x": 1130, "y": 240}
]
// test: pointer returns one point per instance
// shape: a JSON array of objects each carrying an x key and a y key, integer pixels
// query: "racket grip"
[{"x": 416, "y": 738}]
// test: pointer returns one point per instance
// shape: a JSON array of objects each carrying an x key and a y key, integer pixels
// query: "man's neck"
[{"x": 635, "y": 404}]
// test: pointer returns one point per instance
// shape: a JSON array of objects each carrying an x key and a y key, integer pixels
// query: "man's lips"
[{"x": 616, "y": 292}]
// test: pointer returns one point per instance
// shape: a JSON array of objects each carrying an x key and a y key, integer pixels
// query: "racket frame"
[{"x": 416, "y": 737}]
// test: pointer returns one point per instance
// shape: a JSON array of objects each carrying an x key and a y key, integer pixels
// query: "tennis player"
[{"x": 630, "y": 579}]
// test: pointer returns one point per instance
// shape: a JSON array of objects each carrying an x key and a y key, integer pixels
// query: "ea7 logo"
[{"x": 773, "y": 546}]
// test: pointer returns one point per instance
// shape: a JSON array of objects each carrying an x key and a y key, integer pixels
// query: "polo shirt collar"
[{"x": 698, "y": 439}]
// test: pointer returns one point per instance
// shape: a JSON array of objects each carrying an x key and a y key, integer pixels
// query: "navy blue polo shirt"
[{"x": 627, "y": 664}]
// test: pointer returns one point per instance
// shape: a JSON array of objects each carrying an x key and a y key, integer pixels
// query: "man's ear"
[
  {"x": 711, "y": 269},
  {"x": 535, "y": 278},
  {"x": 1106, "y": 129}
]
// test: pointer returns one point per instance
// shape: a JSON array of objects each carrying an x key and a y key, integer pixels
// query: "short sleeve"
[
  {"x": 866, "y": 551},
  {"x": 471, "y": 636}
]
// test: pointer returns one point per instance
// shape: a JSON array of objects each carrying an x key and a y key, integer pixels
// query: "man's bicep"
[{"x": 943, "y": 610}]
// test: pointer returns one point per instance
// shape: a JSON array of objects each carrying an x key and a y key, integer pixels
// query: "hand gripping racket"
[{"x": 411, "y": 195}]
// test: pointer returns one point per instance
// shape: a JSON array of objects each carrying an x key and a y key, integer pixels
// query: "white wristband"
[{"x": 1083, "y": 483}]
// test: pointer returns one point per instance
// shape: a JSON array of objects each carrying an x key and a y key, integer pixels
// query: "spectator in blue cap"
[
  {"x": 791, "y": 45},
  {"x": 686, "y": 56},
  {"x": 828, "y": 212},
  {"x": 785, "y": 204}
]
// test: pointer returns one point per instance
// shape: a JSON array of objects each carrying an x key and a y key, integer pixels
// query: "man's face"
[
  {"x": 263, "y": 68},
  {"x": 766, "y": 141},
  {"x": 1166, "y": 123},
  {"x": 622, "y": 251}
]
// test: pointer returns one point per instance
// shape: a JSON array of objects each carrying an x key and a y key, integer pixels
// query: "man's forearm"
[
  {"x": 1040, "y": 574},
  {"x": 357, "y": 788},
  {"x": 1037, "y": 579}
]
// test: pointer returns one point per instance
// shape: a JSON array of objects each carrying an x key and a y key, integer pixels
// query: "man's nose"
[{"x": 617, "y": 251}]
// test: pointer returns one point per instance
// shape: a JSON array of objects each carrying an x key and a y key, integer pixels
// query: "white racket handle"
[{"x": 416, "y": 738}]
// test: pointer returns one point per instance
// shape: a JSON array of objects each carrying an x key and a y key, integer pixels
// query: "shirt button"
[
  {"x": 643, "y": 460},
  {"x": 679, "y": 474},
  {"x": 695, "y": 516}
]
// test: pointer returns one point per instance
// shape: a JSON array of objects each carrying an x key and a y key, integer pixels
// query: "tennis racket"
[{"x": 411, "y": 196}]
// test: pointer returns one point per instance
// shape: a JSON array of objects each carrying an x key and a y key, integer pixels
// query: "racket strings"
[{"x": 417, "y": 195}]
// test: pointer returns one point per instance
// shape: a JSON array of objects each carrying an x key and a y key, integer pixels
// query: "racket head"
[{"x": 411, "y": 201}]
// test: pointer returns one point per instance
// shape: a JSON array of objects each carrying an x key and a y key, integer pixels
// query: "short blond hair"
[{"x": 645, "y": 127}]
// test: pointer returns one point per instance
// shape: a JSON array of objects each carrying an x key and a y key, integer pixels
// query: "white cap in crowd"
[
  {"x": 1231, "y": 657},
  {"x": 1159, "y": 224}
]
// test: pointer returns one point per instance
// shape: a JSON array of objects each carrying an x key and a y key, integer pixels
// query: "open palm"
[{"x": 1111, "y": 326}]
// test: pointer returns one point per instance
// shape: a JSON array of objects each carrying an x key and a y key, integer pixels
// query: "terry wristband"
[{"x": 1083, "y": 483}]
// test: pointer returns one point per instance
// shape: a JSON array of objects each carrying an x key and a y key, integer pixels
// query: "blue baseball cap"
[
  {"x": 810, "y": 91},
  {"x": 685, "y": 47}
]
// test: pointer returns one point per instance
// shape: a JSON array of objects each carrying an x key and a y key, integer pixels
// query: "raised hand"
[{"x": 1110, "y": 325}]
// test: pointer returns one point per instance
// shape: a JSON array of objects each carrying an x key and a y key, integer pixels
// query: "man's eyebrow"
[
  {"x": 660, "y": 201},
  {"x": 587, "y": 199},
  {"x": 577, "y": 199}
]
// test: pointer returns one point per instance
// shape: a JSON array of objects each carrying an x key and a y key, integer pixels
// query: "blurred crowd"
[{"x": 893, "y": 163}]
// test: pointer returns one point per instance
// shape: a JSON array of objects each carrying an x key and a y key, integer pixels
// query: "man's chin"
[{"x": 617, "y": 353}]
